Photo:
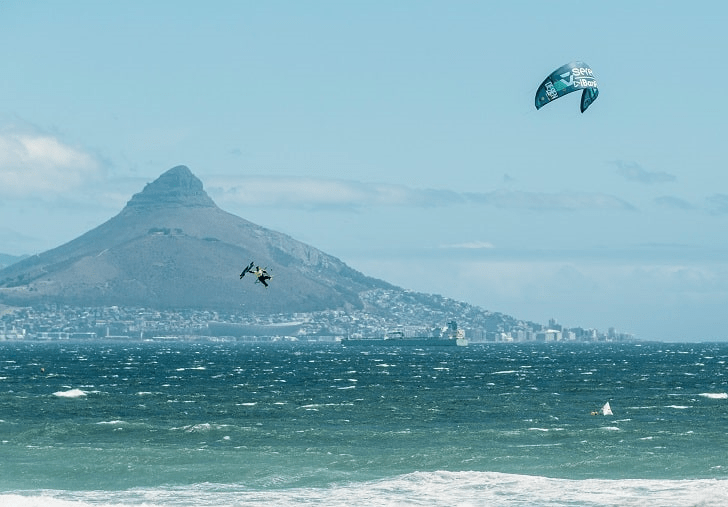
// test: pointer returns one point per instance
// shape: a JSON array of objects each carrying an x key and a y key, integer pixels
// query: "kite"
[{"x": 566, "y": 79}]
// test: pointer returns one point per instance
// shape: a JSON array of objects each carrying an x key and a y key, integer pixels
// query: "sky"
[{"x": 400, "y": 137}]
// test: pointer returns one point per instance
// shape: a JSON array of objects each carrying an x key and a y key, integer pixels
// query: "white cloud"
[
  {"x": 311, "y": 193},
  {"x": 672, "y": 202},
  {"x": 300, "y": 192},
  {"x": 32, "y": 164},
  {"x": 544, "y": 201},
  {"x": 634, "y": 172},
  {"x": 471, "y": 245}
]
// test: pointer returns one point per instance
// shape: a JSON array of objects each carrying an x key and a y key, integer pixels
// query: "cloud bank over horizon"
[
  {"x": 634, "y": 172},
  {"x": 322, "y": 193},
  {"x": 33, "y": 164}
]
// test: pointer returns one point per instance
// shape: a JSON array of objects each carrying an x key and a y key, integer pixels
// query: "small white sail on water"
[{"x": 605, "y": 410}]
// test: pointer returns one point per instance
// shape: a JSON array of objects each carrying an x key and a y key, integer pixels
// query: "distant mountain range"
[
  {"x": 171, "y": 247},
  {"x": 7, "y": 260}
]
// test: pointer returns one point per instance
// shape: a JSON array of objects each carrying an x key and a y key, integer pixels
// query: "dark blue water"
[{"x": 241, "y": 424}]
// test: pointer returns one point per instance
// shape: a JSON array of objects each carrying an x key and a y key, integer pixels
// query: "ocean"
[{"x": 235, "y": 424}]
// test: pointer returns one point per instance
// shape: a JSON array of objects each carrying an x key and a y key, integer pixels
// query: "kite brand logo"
[
  {"x": 551, "y": 91},
  {"x": 585, "y": 83},
  {"x": 582, "y": 71},
  {"x": 564, "y": 82},
  {"x": 576, "y": 78}
]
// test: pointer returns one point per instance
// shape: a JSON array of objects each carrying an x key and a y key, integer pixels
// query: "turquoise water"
[{"x": 243, "y": 424}]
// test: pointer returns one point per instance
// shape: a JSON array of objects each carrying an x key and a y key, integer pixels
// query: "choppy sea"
[{"x": 225, "y": 424}]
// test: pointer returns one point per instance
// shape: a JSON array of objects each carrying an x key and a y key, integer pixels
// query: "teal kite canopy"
[{"x": 566, "y": 79}]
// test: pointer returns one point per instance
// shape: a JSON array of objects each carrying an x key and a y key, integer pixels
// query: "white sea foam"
[
  {"x": 415, "y": 489},
  {"x": 194, "y": 428},
  {"x": 715, "y": 396},
  {"x": 71, "y": 393},
  {"x": 200, "y": 428}
]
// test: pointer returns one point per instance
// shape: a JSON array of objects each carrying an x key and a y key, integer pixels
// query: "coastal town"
[{"x": 385, "y": 313}]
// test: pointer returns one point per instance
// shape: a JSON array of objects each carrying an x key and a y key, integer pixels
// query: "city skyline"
[{"x": 391, "y": 313}]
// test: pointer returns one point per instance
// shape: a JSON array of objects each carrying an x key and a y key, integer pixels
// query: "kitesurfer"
[{"x": 262, "y": 275}]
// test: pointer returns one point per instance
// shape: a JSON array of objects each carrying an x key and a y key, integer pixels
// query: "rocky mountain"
[{"x": 172, "y": 247}]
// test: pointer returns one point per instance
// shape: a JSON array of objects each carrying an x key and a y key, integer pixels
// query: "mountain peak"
[
  {"x": 176, "y": 187},
  {"x": 172, "y": 247}
]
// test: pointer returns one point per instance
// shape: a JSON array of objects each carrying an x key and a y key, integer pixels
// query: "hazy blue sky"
[{"x": 399, "y": 136}]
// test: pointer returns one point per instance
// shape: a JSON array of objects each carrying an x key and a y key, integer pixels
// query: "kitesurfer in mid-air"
[{"x": 262, "y": 275}]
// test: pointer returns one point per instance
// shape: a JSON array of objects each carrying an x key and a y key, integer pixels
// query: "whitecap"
[
  {"x": 71, "y": 393},
  {"x": 715, "y": 396},
  {"x": 195, "y": 428},
  {"x": 311, "y": 408}
]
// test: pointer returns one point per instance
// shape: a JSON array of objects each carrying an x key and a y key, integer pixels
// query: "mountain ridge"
[{"x": 171, "y": 246}]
